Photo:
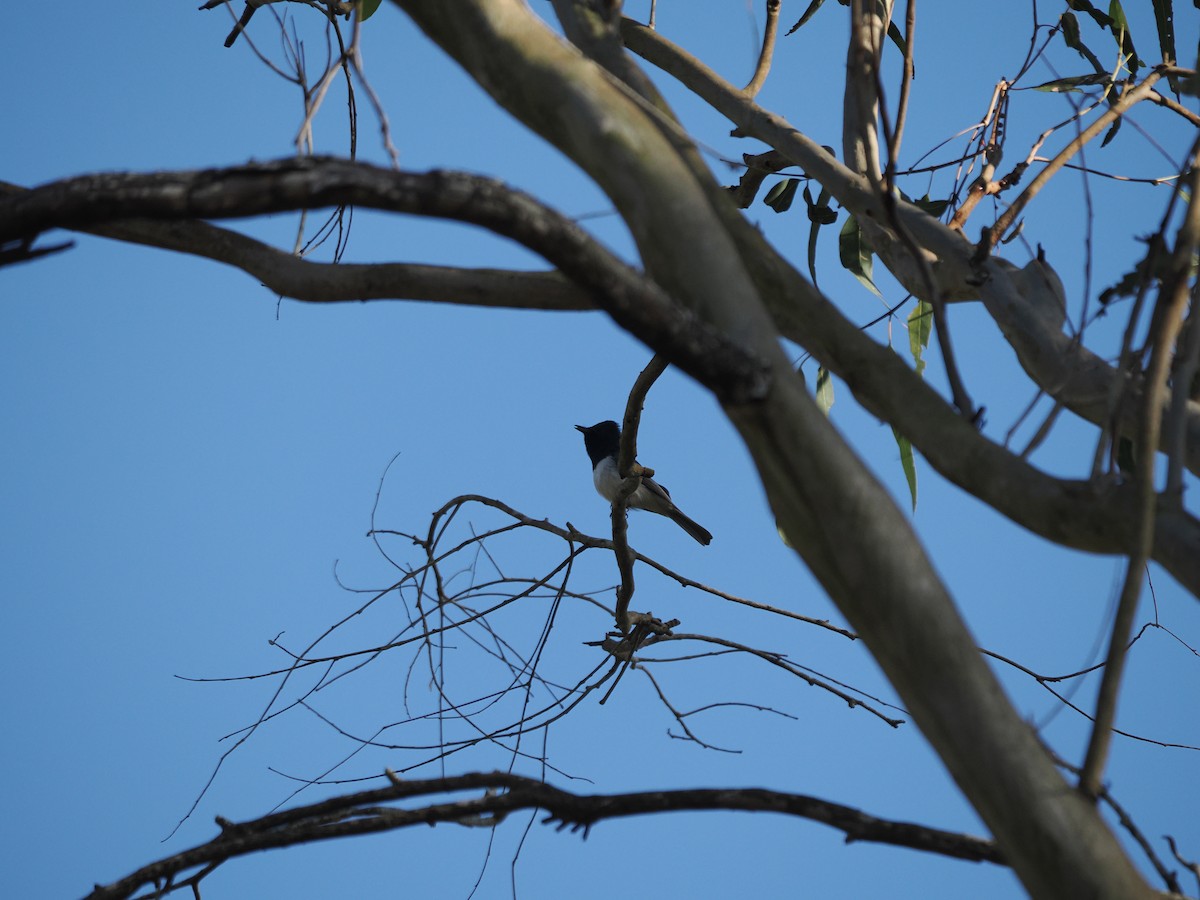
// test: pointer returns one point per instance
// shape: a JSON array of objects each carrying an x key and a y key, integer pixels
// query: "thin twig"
[
  {"x": 626, "y": 463},
  {"x": 768, "y": 49},
  {"x": 1128, "y": 99},
  {"x": 1164, "y": 335},
  {"x": 910, "y": 29}
]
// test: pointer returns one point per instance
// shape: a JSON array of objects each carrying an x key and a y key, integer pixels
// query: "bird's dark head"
[{"x": 601, "y": 440}]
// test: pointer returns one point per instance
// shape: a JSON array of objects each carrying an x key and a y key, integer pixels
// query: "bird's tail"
[{"x": 695, "y": 529}]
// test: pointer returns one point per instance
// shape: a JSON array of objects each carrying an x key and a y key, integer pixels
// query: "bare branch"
[
  {"x": 763, "y": 68},
  {"x": 634, "y": 302},
  {"x": 632, "y": 473},
  {"x": 289, "y": 275},
  {"x": 1164, "y": 336},
  {"x": 503, "y": 793},
  {"x": 906, "y": 78}
]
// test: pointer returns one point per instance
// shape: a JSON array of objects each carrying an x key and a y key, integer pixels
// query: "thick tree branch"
[
  {"x": 364, "y": 813},
  {"x": 633, "y": 301},
  {"x": 315, "y": 282},
  {"x": 849, "y": 531}
]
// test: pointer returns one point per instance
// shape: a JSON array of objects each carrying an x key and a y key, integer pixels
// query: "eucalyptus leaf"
[
  {"x": 908, "y": 464},
  {"x": 808, "y": 14},
  {"x": 920, "y": 327},
  {"x": 1072, "y": 38},
  {"x": 1074, "y": 82},
  {"x": 824, "y": 390},
  {"x": 819, "y": 213},
  {"x": 1084, "y": 7},
  {"x": 855, "y": 251},
  {"x": 780, "y": 197},
  {"x": 1120, "y": 30}
]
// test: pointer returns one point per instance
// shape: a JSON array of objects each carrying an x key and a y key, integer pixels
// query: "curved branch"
[
  {"x": 634, "y": 302},
  {"x": 289, "y": 275},
  {"x": 363, "y": 813},
  {"x": 763, "y": 67}
]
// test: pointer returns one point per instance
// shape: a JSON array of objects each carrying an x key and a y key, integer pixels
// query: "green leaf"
[
  {"x": 908, "y": 463},
  {"x": 1070, "y": 32},
  {"x": 819, "y": 214},
  {"x": 808, "y": 14},
  {"x": 1015, "y": 233},
  {"x": 1065, "y": 85},
  {"x": 901, "y": 44},
  {"x": 1120, "y": 30},
  {"x": 1164, "y": 18},
  {"x": 935, "y": 208},
  {"x": 920, "y": 327},
  {"x": 780, "y": 197},
  {"x": 824, "y": 390},
  {"x": 368, "y": 8},
  {"x": 783, "y": 537},
  {"x": 819, "y": 211},
  {"x": 1083, "y": 6},
  {"x": 855, "y": 251},
  {"x": 1112, "y": 132}
]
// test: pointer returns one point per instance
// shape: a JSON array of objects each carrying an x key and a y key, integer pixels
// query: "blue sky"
[{"x": 189, "y": 470}]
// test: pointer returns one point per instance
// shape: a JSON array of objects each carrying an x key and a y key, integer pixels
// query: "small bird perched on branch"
[{"x": 603, "y": 442}]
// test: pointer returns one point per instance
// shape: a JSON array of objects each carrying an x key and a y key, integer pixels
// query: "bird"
[{"x": 603, "y": 442}]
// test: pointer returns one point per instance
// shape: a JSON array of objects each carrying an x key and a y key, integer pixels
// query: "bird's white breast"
[{"x": 606, "y": 478}]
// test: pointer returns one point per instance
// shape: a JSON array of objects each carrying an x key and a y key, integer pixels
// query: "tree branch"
[
  {"x": 1163, "y": 340},
  {"x": 631, "y": 472},
  {"x": 633, "y": 301},
  {"x": 289, "y": 275},
  {"x": 763, "y": 68},
  {"x": 504, "y": 793},
  {"x": 852, "y": 535}
]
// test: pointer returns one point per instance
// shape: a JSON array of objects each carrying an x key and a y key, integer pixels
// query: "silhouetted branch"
[
  {"x": 634, "y": 301},
  {"x": 503, "y": 793}
]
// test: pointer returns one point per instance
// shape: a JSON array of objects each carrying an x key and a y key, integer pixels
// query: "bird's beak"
[{"x": 580, "y": 428}]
